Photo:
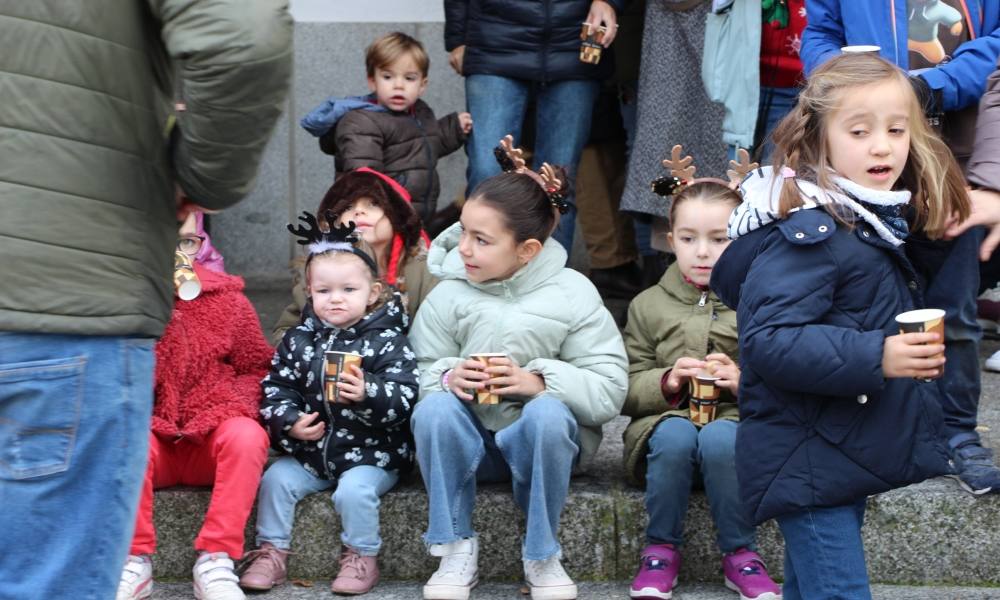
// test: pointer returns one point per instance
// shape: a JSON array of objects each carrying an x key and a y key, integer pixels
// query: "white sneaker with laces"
[
  {"x": 993, "y": 362},
  {"x": 458, "y": 572},
  {"x": 215, "y": 578},
  {"x": 547, "y": 580},
  {"x": 137, "y": 579}
]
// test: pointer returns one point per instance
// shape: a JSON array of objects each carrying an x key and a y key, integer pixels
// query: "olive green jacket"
[
  {"x": 88, "y": 163},
  {"x": 668, "y": 321}
]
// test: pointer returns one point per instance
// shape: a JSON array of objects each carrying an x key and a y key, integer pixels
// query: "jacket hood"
[
  {"x": 444, "y": 262},
  {"x": 324, "y": 117},
  {"x": 390, "y": 315}
]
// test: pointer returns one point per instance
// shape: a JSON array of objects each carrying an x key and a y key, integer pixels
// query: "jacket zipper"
[{"x": 704, "y": 298}]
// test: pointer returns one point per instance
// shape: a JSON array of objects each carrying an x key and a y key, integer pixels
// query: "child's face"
[
  {"x": 487, "y": 246},
  {"x": 868, "y": 136},
  {"x": 698, "y": 237},
  {"x": 398, "y": 84},
  {"x": 370, "y": 221},
  {"x": 341, "y": 288}
]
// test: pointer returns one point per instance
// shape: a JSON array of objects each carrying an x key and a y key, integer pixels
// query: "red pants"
[{"x": 231, "y": 459}]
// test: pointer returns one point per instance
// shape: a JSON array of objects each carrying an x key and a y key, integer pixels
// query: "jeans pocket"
[{"x": 39, "y": 415}]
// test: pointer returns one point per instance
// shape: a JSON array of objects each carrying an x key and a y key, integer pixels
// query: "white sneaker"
[
  {"x": 548, "y": 580},
  {"x": 215, "y": 578},
  {"x": 137, "y": 579},
  {"x": 993, "y": 362},
  {"x": 458, "y": 572}
]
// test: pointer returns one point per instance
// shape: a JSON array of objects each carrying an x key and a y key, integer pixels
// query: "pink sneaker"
[
  {"x": 746, "y": 573},
  {"x": 657, "y": 574},
  {"x": 358, "y": 574},
  {"x": 264, "y": 568}
]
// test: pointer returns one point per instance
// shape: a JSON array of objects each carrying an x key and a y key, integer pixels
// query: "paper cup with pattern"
[
  {"x": 335, "y": 363},
  {"x": 486, "y": 395},
  {"x": 930, "y": 320},
  {"x": 591, "y": 37},
  {"x": 186, "y": 282},
  {"x": 704, "y": 398}
]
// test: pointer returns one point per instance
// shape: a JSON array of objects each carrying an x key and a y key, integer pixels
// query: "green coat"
[
  {"x": 88, "y": 164},
  {"x": 665, "y": 323},
  {"x": 548, "y": 318}
]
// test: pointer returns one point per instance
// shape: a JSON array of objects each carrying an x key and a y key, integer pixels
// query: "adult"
[
  {"x": 950, "y": 48},
  {"x": 88, "y": 196},
  {"x": 515, "y": 52}
]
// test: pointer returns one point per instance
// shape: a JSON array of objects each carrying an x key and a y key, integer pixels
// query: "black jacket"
[
  {"x": 536, "y": 40},
  {"x": 374, "y": 431}
]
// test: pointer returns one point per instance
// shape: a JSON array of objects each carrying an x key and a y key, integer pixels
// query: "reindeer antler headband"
[
  {"x": 340, "y": 238},
  {"x": 682, "y": 172},
  {"x": 511, "y": 160}
]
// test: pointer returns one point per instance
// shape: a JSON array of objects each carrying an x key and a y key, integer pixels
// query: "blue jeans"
[
  {"x": 74, "y": 432},
  {"x": 563, "y": 113},
  {"x": 536, "y": 452},
  {"x": 356, "y": 500},
  {"x": 678, "y": 450},
  {"x": 775, "y": 102},
  {"x": 824, "y": 554}
]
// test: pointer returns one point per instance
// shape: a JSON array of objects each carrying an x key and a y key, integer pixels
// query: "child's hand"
[
  {"x": 304, "y": 430},
  {"x": 456, "y": 57},
  {"x": 912, "y": 355},
  {"x": 727, "y": 372},
  {"x": 685, "y": 368},
  {"x": 509, "y": 379},
  {"x": 466, "y": 376},
  {"x": 465, "y": 122},
  {"x": 351, "y": 384}
]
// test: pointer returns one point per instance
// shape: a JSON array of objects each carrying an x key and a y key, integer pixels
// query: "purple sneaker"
[
  {"x": 657, "y": 574},
  {"x": 746, "y": 573}
]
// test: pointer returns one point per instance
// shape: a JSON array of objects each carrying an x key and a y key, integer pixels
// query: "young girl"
[
  {"x": 833, "y": 405},
  {"x": 359, "y": 443},
  {"x": 381, "y": 211},
  {"x": 504, "y": 290},
  {"x": 205, "y": 428},
  {"x": 676, "y": 329}
]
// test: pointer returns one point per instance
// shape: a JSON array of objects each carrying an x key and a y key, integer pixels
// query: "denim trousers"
[
  {"x": 537, "y": 453},
  {"x": 824, "y": 554},
  {"x": 356, "y": 499},
  {"x": 563, "y": 113},
  {"x": 678, "y": 451},
  {"x": 74, "y": 429}
]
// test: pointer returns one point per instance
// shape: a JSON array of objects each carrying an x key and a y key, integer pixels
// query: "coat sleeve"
[
  {"x": 824, "y": 33},
  {"x": 234, "y": 59},
  {"x": 644, "y": 396},
  {"x": 780, "y": 335},
  {"x": 590, "y": 375},
  {"x": 962, "y": 80},
  {"x": 391, "y": 384},
  {"x": 359, "y": 143},
  {"x": 984, "y": 165},
  {"x": 452, "y": 136},
  {"x": 435, "y": 345},
  {"x": 283, "y": 403},
  {"x": 455, "y": 15}
]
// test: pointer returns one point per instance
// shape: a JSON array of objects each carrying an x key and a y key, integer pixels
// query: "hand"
[
  {"x": 985, "y": 211},
  {"x": 685, "y": 368},
  {"x": 456, "y": 57},
  {"x": 467, "y": 376},
  {"x": 727, "y": 372},
  {"x": 304, "y": 430},
  {"x": 602, "y": 13},
  {"x": 509, "y": 379},
  {"x": 351, "y": 384},
  {"x": 912, "y": 355},
  {"x": 465, "y": 122}
]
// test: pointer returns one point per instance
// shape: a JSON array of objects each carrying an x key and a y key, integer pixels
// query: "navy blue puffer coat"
[
  {"x": 819, "y": 424},
  {"x": 536, "y": 40}
]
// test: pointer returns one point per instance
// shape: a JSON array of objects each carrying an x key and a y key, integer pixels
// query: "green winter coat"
[
  {"x": 669, "y": 320},
  {"x": 88, "y": 164},
  {"x": 548, "y": 318}
]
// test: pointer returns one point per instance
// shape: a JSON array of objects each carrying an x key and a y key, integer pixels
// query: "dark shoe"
[
  {"x": 974, "y": 468},
  {"x": 622, "y": 282}
]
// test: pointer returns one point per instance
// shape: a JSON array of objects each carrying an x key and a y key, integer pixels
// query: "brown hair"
[
  {"x": 351, "y": 186},
  {"x": 387, "y": 49},
  {"x": 705, "y": 190},
  {"x": 931, "y": 174},
  {"x": 527, "y": 210}
]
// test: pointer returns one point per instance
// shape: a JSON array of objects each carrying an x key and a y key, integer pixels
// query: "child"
[
  {"x": 504, "y": 289},
  {"x": 832, "y": 405},
  {"x": 359, "y": 445},
  {"x": 675, "y": 330},
  {"x": 205, "y": 428},
  {"x": 392, "y": 130},
  {"x": 380, "y": 209}
]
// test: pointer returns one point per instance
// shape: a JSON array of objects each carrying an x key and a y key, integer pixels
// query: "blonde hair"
[
  {"x": 931, "y": 174},
  {"x": 387, "y": 49}
]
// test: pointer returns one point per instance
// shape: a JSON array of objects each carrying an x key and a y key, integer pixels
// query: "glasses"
[{"x": 190, "y": 244}]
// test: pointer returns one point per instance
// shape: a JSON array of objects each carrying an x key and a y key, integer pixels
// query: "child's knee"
[{"x": 436, "y": 408}]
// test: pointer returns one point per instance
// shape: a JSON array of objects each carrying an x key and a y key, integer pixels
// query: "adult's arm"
[
  {"x": 962, "y": 80},
  {"x": 455, "y": 14},
  {"x": 823, "y": 36}
]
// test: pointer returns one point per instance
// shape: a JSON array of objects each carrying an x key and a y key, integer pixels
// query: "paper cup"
[
  {"x": 591, "y": 48},
  {"x": 186, "y": 282},
  {"x": 704, "y": 399},
  {"x": 861, "y": 49},
  {"x": 486, "y": 395},
  {"x": 930, "y": 320},
  {"x": 334, "y": 363}
]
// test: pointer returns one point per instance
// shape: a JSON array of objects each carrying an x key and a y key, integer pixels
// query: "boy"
[{"x": 391, "y": 130}]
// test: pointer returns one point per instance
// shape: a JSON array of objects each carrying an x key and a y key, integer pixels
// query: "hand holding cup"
[
  {"x": 507, "y": 378},
  {"x": 468, "y": 375},
  {"x": 723, "y": 367},
  {"x": 351, "y": 384},
  {"x": 917, "y": 355},
  {"x": 684, "y": 369}
]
